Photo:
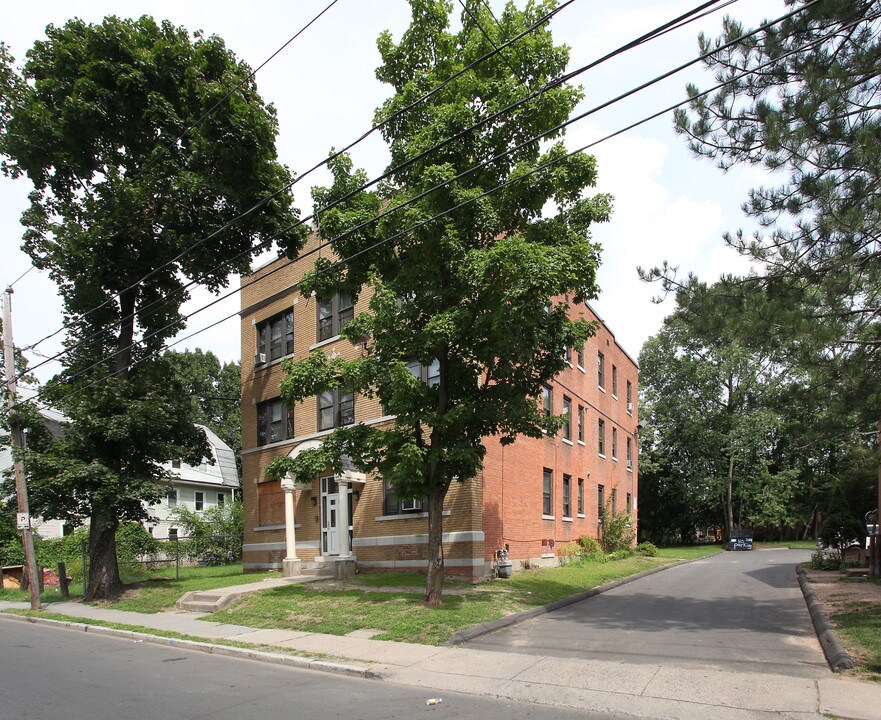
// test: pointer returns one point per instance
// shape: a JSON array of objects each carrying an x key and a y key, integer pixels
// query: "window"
[
  {"x": 615, "y": 380},
  {"x": 629, "y": 454},
  {"x": 335, "y": 408},
  {"x": 393, "y": 505},
  {"x": 221, "y": 499},
  {"x": 615, "y": 443},
  {"x": 581, "y": 356},
  {"x": 601, "y": 436},
  {"x": 547, "y": 493},
  {"x": 601, "y": 370},
  {"x": 429, "y": 374},
  {"x": 567, "y": 355},
  {"x": 567, "y": 496},
  {"x": 629, "y": 504},
  {"x": 275, "y": 336},
  {"x": 567, "y": 418},
  {"x": 614, "y": 501},
  {"x": 601, "y": 501},
  {"x": 580, "y": 423},
  {"x": 172, "y": 533},
  {"x": 275, "y": 422},
  {"x": 581, "y": 497},
  {"x": 200, "y": 500},
  {"x": 175, "y": 464},
  {"x": 171, "y": 497},
  {"x": 629, "y": 399},
  {"x": 334, "y": 314},
  {"x": 547, "y": 400}
]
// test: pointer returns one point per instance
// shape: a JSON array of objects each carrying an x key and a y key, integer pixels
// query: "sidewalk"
[{"x": 636, "y": 690}]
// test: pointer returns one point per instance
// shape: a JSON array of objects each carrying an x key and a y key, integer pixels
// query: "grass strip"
[
  {"x": 169, "y": 634},
  {"x": 341, "y": 608}
]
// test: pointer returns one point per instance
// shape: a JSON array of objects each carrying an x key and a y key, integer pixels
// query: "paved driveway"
[{"x": 733, "y": 611}]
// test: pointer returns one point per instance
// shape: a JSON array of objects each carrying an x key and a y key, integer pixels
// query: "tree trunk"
[
  {"x": 729, "y": 503},
  {"x": 104, "y": 582},
  {"x": 127, "y": 299},
  {"x": 435, "y": 577}
]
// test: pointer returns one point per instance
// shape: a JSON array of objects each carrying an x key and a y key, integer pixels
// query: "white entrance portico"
[{"x": 336, "y": 515}]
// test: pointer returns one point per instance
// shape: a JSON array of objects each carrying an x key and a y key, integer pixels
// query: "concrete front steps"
[{"x": 211, "y": 601}]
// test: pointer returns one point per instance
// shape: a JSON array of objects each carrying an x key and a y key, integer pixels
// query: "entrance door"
[{"x": 330, "y": 530}]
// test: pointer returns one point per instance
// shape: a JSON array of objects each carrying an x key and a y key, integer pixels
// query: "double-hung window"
[
  {"x": 335, "y": 408},
  {"x": 334, "y": 314},
  {"x": 567, "y": 418},
  {"x": 615, "y": 380},
  {"x": 601, "y": 370},
  {"x": 614, "y": 443},
  {"x": 629, "y": 454},
  {"x": 393, "y": 505},
  {"x": 199, "y": 501},
  {"x": 580, "y": 423},
  {"x": 580, "y": 497},
  {"x": 601, "y": 501},
  {"x": 275, "y": 336},
  {"x": 547, "y": 400},
  {"x": 547, "y": 500},
  {"x": 275, "y": 422},
  {"x": 629, "y": 398},
  {"x": 580, "y": 352},
  {"x": 429, "y": 374},
  {"x": 567, "y": 496},
  {"x": 601, "y": 436}
]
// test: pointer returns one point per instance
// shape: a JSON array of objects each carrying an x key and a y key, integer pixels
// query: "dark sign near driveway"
[{"x": 745, "y": 543}]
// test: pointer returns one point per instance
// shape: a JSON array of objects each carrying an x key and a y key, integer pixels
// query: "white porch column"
[
  {"x": 292, "y": 565},
  {"x": 343, "y": 485}
]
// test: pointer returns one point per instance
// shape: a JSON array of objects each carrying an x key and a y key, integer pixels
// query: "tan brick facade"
[{"x": 502, "y": 505}]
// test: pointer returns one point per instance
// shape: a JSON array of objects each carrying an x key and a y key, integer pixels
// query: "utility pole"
[{"x": 21, "y": 490}]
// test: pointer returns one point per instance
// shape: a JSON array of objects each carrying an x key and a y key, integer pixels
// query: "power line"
[
  {"x": 677, "y": 22},
  {"x": 465, "y": 203},
  {"x": 542, "y": 20}
]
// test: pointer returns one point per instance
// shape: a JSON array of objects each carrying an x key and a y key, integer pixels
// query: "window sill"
[
  {"x": 614, "y": 459},
  {"x": 581, "y": 442},
  {"x": 630, "y": 469},
  {"x": 601, "y": 389},
  {"x": 272, "y": 363},
  {"x": 581, "y": 516},
  {"x": 547, "y": 555},
  {"x": 406, "y": 516},
  {"x": 268, "y": 528},
  {"x": 567, "y": 441},
  {"x": 547, "y": 517},
  {"x": 581, "y": 368},
  {"x": 322, "y": 343},
  {"x": 601, "y": 455},
  {"x": 567, "y": 519}
]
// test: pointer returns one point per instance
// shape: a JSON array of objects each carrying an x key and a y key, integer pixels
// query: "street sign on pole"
[{"x": 22, "y": 521}]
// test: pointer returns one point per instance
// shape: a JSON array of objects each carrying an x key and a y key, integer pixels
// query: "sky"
[{"x": 669, "y": 205}]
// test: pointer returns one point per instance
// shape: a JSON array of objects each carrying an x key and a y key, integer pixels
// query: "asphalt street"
[
  {"x": 739, "y": 611},
  {"x": 48, "y": 673}
]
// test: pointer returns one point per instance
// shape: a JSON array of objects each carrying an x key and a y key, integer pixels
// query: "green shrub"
[
  {"x": 569, "y": 552},
  {"x": 590, "y": 546},
  {"x": 214, "y": 537},
  {"x": 826, "y": 560},
  {"x": 648, "y": 549},
  {"x": 617, "y": 529}
]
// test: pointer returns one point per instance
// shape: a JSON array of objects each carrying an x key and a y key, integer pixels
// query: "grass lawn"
[
  {"x": 860, "y": 629},
  {"x": 791, "y": 544},
  {"x": 47, "y": 596},
  {"x": 152, "y": 596},
  {"x": 689, "y": 552},
  {"x": 340, "y": 608}
]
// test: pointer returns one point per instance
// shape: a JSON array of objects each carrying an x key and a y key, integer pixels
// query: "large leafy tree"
[
  {"x": 484, "y": 291},
  {"x": 135, "y": 154},
  {"x": 810, "y": 116},
  {"x": 214, "y": 388},
  {"x": 710, "y": 399}
]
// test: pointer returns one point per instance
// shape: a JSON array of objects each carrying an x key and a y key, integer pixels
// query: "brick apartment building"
[{"x": 532, "y": 495}]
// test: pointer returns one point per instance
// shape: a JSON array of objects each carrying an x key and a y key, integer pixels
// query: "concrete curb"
[
  {"x": 206, "y": 647},
  {"x": 837, "y": 657},
  {"x": 508, "y": 620}
]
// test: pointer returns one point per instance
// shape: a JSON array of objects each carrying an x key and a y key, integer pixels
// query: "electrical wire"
[
  {"x": 554, "y": 83},
  {"x": 538, "y": 23},
  {"x": 465, "y": 203}
]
